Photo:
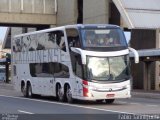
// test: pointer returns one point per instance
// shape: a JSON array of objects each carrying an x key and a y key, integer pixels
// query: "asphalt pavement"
[{"x": 13, "y": 103}]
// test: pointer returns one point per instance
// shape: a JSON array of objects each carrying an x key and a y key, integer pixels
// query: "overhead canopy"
[
  {"x": 7, "y": 39},
  {"x": 147, "y": 53},
  {"x": 140, "y": 13}
]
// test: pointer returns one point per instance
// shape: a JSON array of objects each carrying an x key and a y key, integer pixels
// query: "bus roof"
[
  {"x": 40, "y": 31},
  {"x": 70, "y": 26},
  {"x": 93, "y": 26}
]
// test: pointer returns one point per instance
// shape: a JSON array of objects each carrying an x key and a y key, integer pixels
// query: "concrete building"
[
  {"x": 143, "y": 20},
  {"x": 94, "y": 11},
  {"x": 67, "y": 12},
  {"x": 28, "y": 12}
]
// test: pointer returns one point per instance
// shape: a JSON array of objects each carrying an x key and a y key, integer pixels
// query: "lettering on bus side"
[{"x": 39, "y": 56}]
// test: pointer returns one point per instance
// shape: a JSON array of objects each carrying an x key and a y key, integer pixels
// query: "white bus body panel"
[{"x": 98, "y": 91}]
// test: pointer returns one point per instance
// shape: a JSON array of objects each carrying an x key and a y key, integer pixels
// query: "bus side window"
[
  {"x": 77, "y": 42},
  {"x": 71, "y": 41},
  {"x": 79, "y": 66},
  {"x": 62, "y": 44},
  {"x": 60, "y": 40},
  {"x": 61, "y": 70},
  {"x": 73, "y": 37},
  {"x": 51, "y": 69}
]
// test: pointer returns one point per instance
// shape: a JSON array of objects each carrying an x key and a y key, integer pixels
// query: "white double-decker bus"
[{"x": 85, "y": 62}]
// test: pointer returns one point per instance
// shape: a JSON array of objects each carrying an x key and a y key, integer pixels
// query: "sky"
[
  {"x": 128, "y": 36},
  {"x": 2, "y": 32}
]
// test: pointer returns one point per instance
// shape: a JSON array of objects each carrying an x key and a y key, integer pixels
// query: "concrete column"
[
  {"x": 67, "y": 12},
  {"x": 7, "y": 72},
  {"x": 95, "y": 11},
  {"x": 147, "y": 76}
]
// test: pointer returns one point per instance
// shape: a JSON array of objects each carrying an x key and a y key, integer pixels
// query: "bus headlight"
[
  {"x": 92, "y": 88},
  {"x": 90, "y": 94},
  {"x": 126, "y": 87}
]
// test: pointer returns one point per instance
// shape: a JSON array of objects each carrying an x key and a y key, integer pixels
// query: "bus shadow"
[{"x": 76, "y": 102}]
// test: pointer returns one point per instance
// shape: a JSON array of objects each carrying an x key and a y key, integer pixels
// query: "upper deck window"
[
  {"x": 40, "y": 41},
  {"x": 73, "y": 37},
  {"x": 112, "y": 37}
]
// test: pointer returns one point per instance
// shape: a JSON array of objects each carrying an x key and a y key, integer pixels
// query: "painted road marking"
[{"x": 21, "y": 111}]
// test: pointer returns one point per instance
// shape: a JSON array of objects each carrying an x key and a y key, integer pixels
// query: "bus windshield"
[
  {"x": 112, "y": 37},
  {"x": 108, "y": 69}
]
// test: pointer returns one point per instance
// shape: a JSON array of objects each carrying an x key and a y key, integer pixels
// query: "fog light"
[{"x": 89, "y": 94}]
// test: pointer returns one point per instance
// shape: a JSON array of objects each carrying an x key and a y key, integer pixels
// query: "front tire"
[
  {"x": 109, "y": 101},
  {"x": 99, "y": 101}
]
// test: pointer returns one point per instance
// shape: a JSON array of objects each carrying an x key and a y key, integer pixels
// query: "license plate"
[{"x": 110, "y": 95}]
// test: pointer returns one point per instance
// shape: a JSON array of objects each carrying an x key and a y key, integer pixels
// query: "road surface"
[{"x": 13, "y": 102}]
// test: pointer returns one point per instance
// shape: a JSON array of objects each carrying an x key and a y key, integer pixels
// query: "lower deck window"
[{"x": 49, "y": 70}]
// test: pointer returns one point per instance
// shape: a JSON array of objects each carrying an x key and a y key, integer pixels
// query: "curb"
[
  {"x": 146, "y": 94},
  {"x": 8, "y": 86}
]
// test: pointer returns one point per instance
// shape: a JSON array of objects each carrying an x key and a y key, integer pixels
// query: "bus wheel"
[
  {"x": 69, "y": 95},
  {"x": 109, "y": 101},
  {"x": 60, "y": 94},
  {"x": 99, "y": 101},
  {"x": 29, "y": 91},
  {"x": 24, "y": 92}
]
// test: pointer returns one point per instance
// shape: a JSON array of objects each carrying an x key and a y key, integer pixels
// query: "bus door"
[{"x": 79, "y": 75}]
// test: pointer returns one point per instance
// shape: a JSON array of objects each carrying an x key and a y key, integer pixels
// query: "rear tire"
[
  {"x": 109, "y": 101},
  {"x": 60, "y": 94},
  {"x": 29, "y": 91},
  {"x": 99, "y": 101},
  {"x": 24, "y": 91},
  {"x": 69, "y": 95}
]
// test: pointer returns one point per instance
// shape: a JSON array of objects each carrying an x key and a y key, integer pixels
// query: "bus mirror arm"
[{"x": 136, "y": 55}]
